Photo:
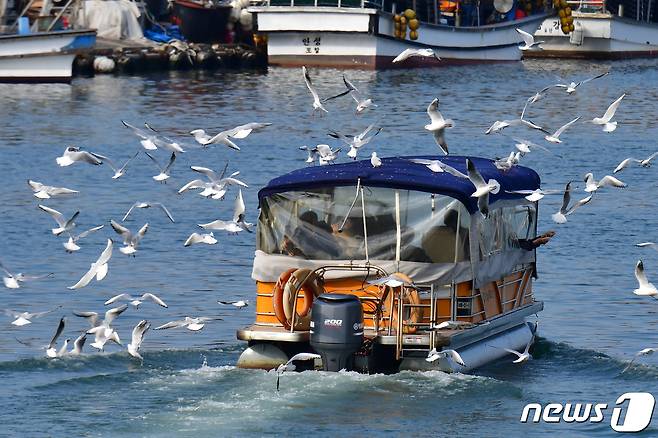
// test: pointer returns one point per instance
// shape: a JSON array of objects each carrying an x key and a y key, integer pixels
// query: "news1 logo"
[{"x": 635, "y": 417}]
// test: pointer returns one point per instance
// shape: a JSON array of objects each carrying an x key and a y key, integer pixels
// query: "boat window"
[
  {"x": 433, "y": 228},
  {"x": 504, "y": 227}
]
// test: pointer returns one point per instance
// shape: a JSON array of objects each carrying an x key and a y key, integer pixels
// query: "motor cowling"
[{"x": 336, "y": 330}]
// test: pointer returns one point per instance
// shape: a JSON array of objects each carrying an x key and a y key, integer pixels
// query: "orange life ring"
[
  {"x": 409, "y": 296},
  {"x": 287, "y": 286}
]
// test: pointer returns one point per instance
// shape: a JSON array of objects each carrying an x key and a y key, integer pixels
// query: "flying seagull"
[
  {"x": 50, "y": 350},
  {"x": 555, "y": 137},
  {"x": 98, "y": 269},
  {"x": 130, "y": 240},
  {"x": 164, "y": 142},
  {"x": 605, "y": 120},
  {"x": 525, "y": 355},
  {"x": 64, "y": 224},
  {"x": 235, "y": 225},
  {"x": 561, "y": 216},
  {"x": 12, "y": 281},
  {"x": 72, "y": 244},
  {"x": 591, "y": 185},
  {"x": 452, "y": 354},
  {"x": 216, "y": 186},
  {"x": 529, "y": 42},
  {"x": 72, "y": 154},
  {"x": 627, "y": 162},
  {"x": 207, "y": 238},
  {"x": 163, "y": 176},
  {"x": 408, "y": 53},
  {"x": 643, "y": 352},
  {"x": 43, "y": 191},
  {"x": 193, "y": 324},
  {"x": 326, "y": 154},
  {"x": 136, "y": 301},
  {"x": 349, "y": 88},
  {"x": 571, "y": 87},
  {"x": 534, "y": 195},
  {"x": 239, "y": 304},
  {"x": 140, "y": 204},
  {"x": 137, "y": 337},
  {"x": 651, "y": 245},
  {"x": 358, "y": 141},
  {"x": 25, "y": 318},
  {"x": 118, "y": 171},
  {"x": 317, "y": 103},
  {"x": 481, "y": 188},
  {"x": 437, "y": 166},
  {"x": 290, "y": 366},
  {"x": 78, "y": 344},
  {"x": 645, "y": 288},
  {"x": 438, "y": 125},
  {"x": 223, "y": 137}
]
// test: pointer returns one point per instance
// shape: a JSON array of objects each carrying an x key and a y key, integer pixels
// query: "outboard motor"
[{"x": 336, "y": 330}]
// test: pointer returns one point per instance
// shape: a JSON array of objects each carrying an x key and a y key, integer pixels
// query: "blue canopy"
[{"x": 400, "y": 173}]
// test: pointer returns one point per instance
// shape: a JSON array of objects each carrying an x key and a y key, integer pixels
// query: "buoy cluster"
[
  {"x": 176, "y": 55},
  {"x": 404, "y": 20},
  {"x": 564, "y": 12}
]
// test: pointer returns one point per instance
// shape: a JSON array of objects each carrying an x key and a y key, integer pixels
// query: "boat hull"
[
  {"x": 597, "y": 36},
  {"x": 363, "y": 38},
  {"x": 42, "y": 57},
  {"x": 202, "y": 25}
]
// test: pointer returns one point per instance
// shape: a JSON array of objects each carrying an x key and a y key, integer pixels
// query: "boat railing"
[
  {"x": 375, "y": 4},
  {"x": 49, "y": 15},
  {"x": 587, "y": 5}
]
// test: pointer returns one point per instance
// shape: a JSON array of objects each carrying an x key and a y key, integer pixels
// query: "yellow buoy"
[
  {"x": 569, "y": 20},
  {"x": 561, "y": 13},
  {"x": 397, "y": 26},
  {"x": 571, "y": 28},
  {"x": 414, "y": 24},
  {"x": 403, "y": 20},
  {"x": 563, "y": 4},
  {"x": 565, "y": 29},
  {"x": 396, "y": 18},
  {"x": 409, "y": 14},
  {"x": 413, "y": 35},
  {"x": 567, "y": 10}
]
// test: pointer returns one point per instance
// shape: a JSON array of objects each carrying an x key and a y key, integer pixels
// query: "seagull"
[
  {"x": 526, "y": 146},
  {"x": 438, "y": 166},
  {"x": 239, "y": 304},
  {"x": 72, "y": 244},
  {"x": 137, "y": 337},
  {"x": 136, "y": 301},
  {"x": 317, "y": 104},
  {"x": 78, "y": 344},
  {"x": 163, "y": 176},
  {"x": 43, "y": 191},
  {"x": 507, "y": 163},
  {"x": 358, "y": 141},
  {"x": 438, "y": 125},
  {"x": 98, "y": 269},
  {"x": 529, "y": 41},
  {"x": 392, "y": 280},
  {"x": 452, "y": 354},
  {"x": 129, "y": 240},
  {"x": 64, "y": 224},
  {"x": 534, "y": 195},
  {"x": 561, "y": 216},
  {"x": 609, "y": 126},
  {"x": 50, "y": 350},
  {"x": 12, "y": 281},
  {"x": 647, "y": 245},
  {"x": 644, "y": 163},
  {"x": 243, "y": 131},
  {"x": 522, "y": 357},
  {"x": 362, "y": 104},
  {"x": 408, "y": 53},
  {"x": 237, "y": 224},
  {"x": 312, "y": 153},
  {"x": 217, "y": 185},
  {"x": 290, "y": 366},
  {"x": 147, "y": 139},
  {"x": 591, "y": 185},
  {"x": 207, "y": 238},
  {"x": 349, "y": 88},
  {"x": 555, "y": 137},
  {"x": 571, "y": 87},
  {"x": 102, "y": 335},
  {"x": 452, "y": 325},
  {"x": 118, "y": 171},
  {"x": 164, "y": 142},
  {"x": 375, "y": 161},
  {"x": 25, "y": 318},
  {"x": 103, "y": 330},
  {"x": 223, "y": 137},
  {"x": 140, "y": 204},
  {"x": 645, "y": 288},
  {"x": 193, "y": 324},
  {"x": 643, "y": 352},
  {"x": 481, "y": 188},
  {"x": 326, "y": 154},
  {"x": 72, "y": 154}
]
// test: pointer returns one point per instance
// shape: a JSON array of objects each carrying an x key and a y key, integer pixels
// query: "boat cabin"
[{"x": 411, "y": 245}]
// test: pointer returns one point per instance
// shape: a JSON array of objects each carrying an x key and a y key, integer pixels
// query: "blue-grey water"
[{"x": 188, "y": 384}]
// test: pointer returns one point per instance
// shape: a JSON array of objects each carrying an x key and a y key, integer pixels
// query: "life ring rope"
[{"x": 286, "y": 290}]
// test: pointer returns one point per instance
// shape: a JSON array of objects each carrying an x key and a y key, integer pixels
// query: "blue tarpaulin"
[{"x": 400, "y": 173}]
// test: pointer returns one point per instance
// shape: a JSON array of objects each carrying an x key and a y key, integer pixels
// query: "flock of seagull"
[{"x": 215, "y": 185}]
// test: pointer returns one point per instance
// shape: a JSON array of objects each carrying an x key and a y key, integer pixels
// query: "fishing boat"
[
  {"x": 202, "y": 21},
  {"x": 44, "y": 50},
  {"x": 602, "y": 30},
  {"x": 370, "y": 34},
  {"x": 363, "y": 264}
]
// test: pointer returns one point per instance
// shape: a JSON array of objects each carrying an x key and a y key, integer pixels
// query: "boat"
[
  {"x": 370, "y": 34},
  {"x": 45, "y": 50},
  {"x": 374, "y": 267},
  {"x": 202, "y": 22},
  {"x": 599, "y": 32}
]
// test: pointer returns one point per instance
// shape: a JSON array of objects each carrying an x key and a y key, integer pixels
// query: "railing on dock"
[{"x": 50, "y": 15}]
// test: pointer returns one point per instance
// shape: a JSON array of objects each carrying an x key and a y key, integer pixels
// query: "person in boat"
[
  {"x": 441, "y": 241},
  {"x": 310, "y": 238},
  {"x": 532, "y": 244}
]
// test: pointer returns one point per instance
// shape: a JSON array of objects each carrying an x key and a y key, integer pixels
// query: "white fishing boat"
[
  {"x": 373, "y": 268},
  {"x": 42, "y": 51},
  {"x": 369, "y": 34},
  {"x": 601, "y": 33}
]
